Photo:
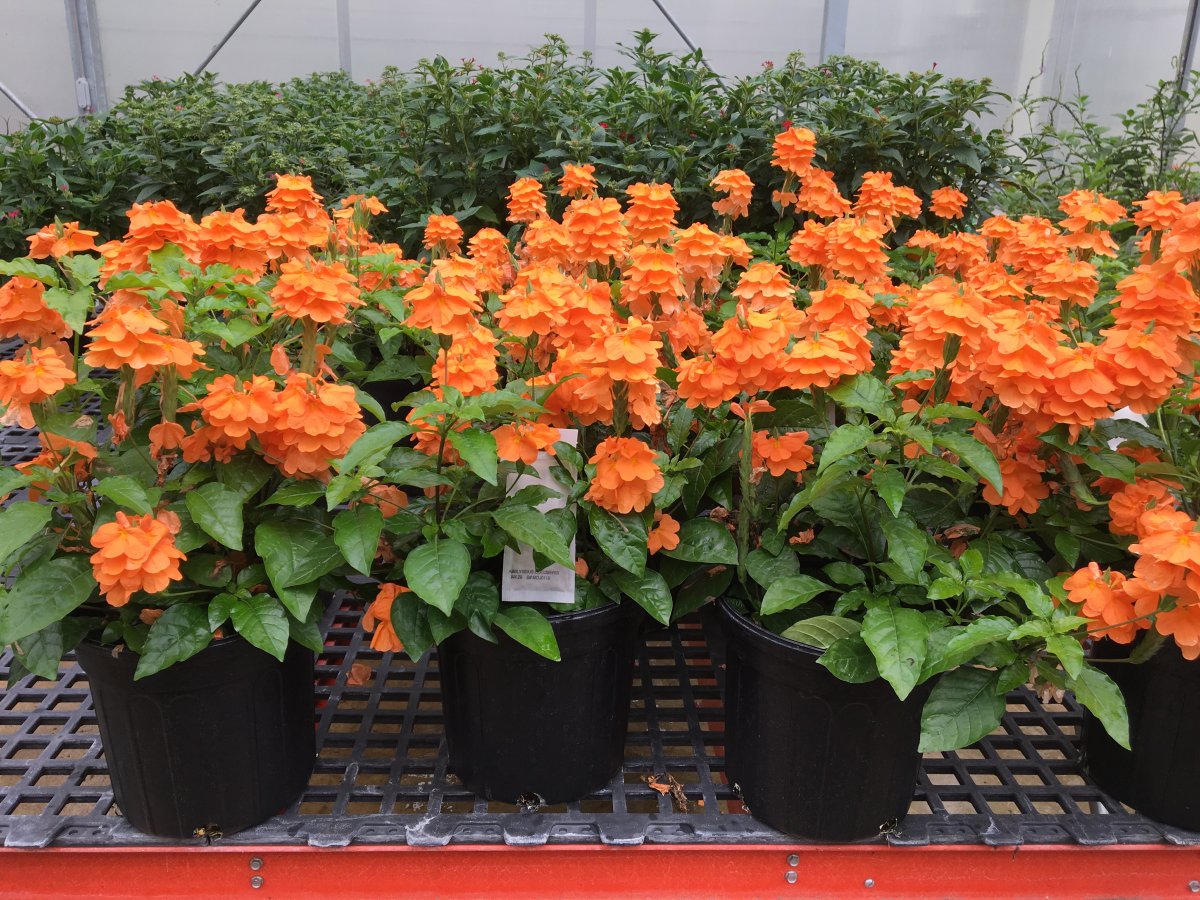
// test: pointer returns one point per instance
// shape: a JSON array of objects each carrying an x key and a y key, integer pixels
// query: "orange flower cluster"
[
  {"x": 664, "y": 535},
  {"x": 523, "y": 442},
  {"x": 526, "y": 202},
  {"x": 135, "y": 553},
  {"x": 33, "y": 378},
  {"x": 627, "y": 475},
  {"x": 377, "y": 618},
  {"x": 24, "y": 313},
  {"x": 738, "y": 190},
  {"x": 134, "y": 337},
  {"x": 782, "y": 453},
  {"x": 61, "y": 240},
  {"x": 316, "y": 291},
  {"x": 578, "y": 181}
]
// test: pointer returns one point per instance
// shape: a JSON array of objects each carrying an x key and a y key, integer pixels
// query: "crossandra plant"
[
  {"x": 855, "y": 458},
  {"x": 180, "y": 380}
]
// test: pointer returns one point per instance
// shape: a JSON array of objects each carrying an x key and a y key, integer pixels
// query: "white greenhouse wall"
[{"x": 1116, "y": 48}]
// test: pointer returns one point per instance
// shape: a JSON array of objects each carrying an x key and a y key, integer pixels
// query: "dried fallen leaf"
[
  {"x": 666, "y": 784},
  {"x": 360, "y": 674}
]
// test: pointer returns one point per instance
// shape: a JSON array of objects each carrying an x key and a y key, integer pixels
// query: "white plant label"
[{"x": 521, "y": 581}]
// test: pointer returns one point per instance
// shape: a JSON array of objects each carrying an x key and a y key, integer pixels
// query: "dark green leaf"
[
  {"x": 621, "y": 538},
  {"x": 125, "y": 492},
  {"x": 437, "y": 572},
  {"x": 298, "y": 493},
  {"x": 532, "y": 528},
  {"x": 219, "y": 610},
  {"x": 907, "y": 544},
  {"x": 179, "y": 633},
  {"x": 42, "y": 651},
  {"x": 373, "y": 445},
  {"x": 19, "y": 523},
  {"x": 822, "y": 632},
  {"x": 649, "y": 590},
  {"x": 478, "y": 450},
  {"x": 705, "y": 541},
  {"x": 766, "y": 568},
  {"x": 218, "y": 509},
  {"x": 898, "y": 638},
  {"x": 356, "y": 532},
  {"x": 865, "y": 392},
  {"x": 1100, "y": 694},
  {"x": 964, "y": 706},
  {"x": 790, "y": 592},
  {"x": 842, "y": 441},
  {"x": 976, "y": 456},
  {"x": 529, "y": 628},
  {"x": 891, "y": 487},
  {"x": 44, "y": 594},
  {"x": 851, "y": 660},
  {"x": 295, "y": 551},
  {"x": 262, "y": 621}
]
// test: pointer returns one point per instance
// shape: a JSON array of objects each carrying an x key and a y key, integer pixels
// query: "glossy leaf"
[
  {"x": 44, "y": 594},
  {"x": 790, "y": 592},
  {"x": 851, "y": 660},
  {"x": 217, "y": 510},
  {"x": 262, "y": 621},
  {"x": 822, "y": 632},
  {"x": 649, "y": 590},
  {"x": 126, "y": 492},
  {"x": 19, "y": 523},
  {"x": 898, "y": 637},
  {"x": 478, "y": 450},
  {"x": 975, "y": 455},
  {"x": 622, "y": 538},
  {"x": 179, "y": 633},
  {"x": 842, "y": 441},
  {"x": 436, "y": 572},
  {"x": 529, "y": 628},
  {"x": 705, "y": 541},
  {"x": 1100, "y": 694},
  {"x": 964, "y": 706},
  {"x": 356, "y": 532},
  {"x": 295, "y": 552},
  {"x": 534, "y": 529}
]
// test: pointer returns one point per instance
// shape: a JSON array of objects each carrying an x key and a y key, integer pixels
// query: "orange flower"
[
  {"x": 820, "y": 196},
  {"x": 794, "y": 150},
  {"x": 538, "y": 301},
  {"x": 1089, "y": 208},
  {"x": 664, "y": 535},
  {"x": 1144, "y": 364},
  {"x": 595, "y": 230},
  {"x": 314, "y": 424},
  {"x": 738, "y": 190},
  {"x": 578, "y": 181},
  {"x": 809, "y": 246},
  {"x": 705, "y": 382},
  {"x": 1172, "y": 539},
  {"x": 34, "y": 377},
  {"x": 60, "y": 240},
  {"x": 1156, "y": 294},
  {"x": 651, "y": 212},
  {"x": 470, "y": 363},
  {"x": 387, "y": 498},
  {"x": 751, "y": 344},
  {"x": 546, "y": 241},
  {"x": 523, "y": 441},
  {"x": 236, "y": 411},
  {"x": 24, "y": 313},
  {"x": 443, "y": 306},
  {"x": 1103, "y": 598},
  {"x": 1158, "y": 211},
  {"x": 650, "y": 282},
  {"x": 1131, "y": 501},
  {"x": 627, "y": 475},
  {"x": 152, "y": 226},
  {"x": 840, "y": 304},
  {"x": 763, "y": 286},
  {"x": 295, "y": 194},
  {"x": 134, "y": 553},
  {"x": 377, "y": 618},
  {"x": 227, "y": 238},
  {"x": 880, "y": 201},
  {"x": 1067, "y": 281},
  {"x": 320, "y": 292},
  {"x": 134, "y": 336},
  {"x": 787, "y": 452},
  {"x": 488, "y": 248},
  {"x": 165, "y": 436},
  {"x": 855, "y": 250},
  {"x": 1082, "y": 391},
  {"x": 526, "y": 202},
  {"x": 289, "y": 234},
  {"x": 371, "y": 205},
  {"x": 628, "y": 353},
  {"x": 443, "y": 233},
  {"x": 700, "y": 258},
  {"x": 947, "y": 203}
]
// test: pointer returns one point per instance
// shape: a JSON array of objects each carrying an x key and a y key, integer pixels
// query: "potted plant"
[
  {"x": 888, "y": 593},
  {"x": 1141, "y": 602},
  {"x": 169, "y": 532}
]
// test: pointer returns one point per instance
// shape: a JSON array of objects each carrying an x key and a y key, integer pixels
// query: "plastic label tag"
[{"x": 520, "y": 580}]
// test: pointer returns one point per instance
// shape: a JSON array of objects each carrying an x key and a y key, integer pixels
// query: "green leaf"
[
  {"x": 479, "y": 602},
  {"x": 178, "y": 634},
  {"x": 73, "y": 306},
  {"x": 27, "y": 268},
  {"x": 295, "y": 551},
  {"x": 262, "y": 621},
  {"x": 1069, "y": 652},
  {"x": 478, "y": 450},
  {"x": 220, "y": 608},
  {"x": 975, "y": 454},
  {"x": 534, "y": 529},
  {"x": 964, "y": 644},
  {"x": 1036, "y": 599},
  {"x": 529, "y": 628},
  {"x": 790, "y": 592},
  {"x": 42, "y": 651},
  {"x": 217, "y": 509},
  {"x": 44, "y": 594},
  {"x": 822, "y": 632},
  {"x": 898, "y": 638},
  {"x": 411, "y": 623},
  {"x": 306, "y": 634},
  {"x": 298, "y": 493},
  {"x": 851, "y": 660},
  {"x": 126, "y": 492},
  {"x": 356, "y": 532},
  {"x": 1099, "y": 693},
  {"x": 891, "y": 487},
  {"x": 907, "y": 544},
  {"x": 766, "y": 568},
  {"x": 298, "y": 599},
  {"x": 943, "y": 588},
  {"x": 1067, "y": 546},
  {"x": 964, "y": 706},
  {"x": 370, "y": 404},
  {"x": 705, "y": 541},
  {"x": 437, "y": 572},
  {"x": 245, "y": 474},
  {"x": 621, "y": 538},
  {"x": 19, "y": 523},
  {"x": 842, "y": 441},
  {"x": 649, "y": 590},
  {"x": 844, "y": 574},
  {"x": 373, "y": 445},
  {"x": 865, "y": 392}
]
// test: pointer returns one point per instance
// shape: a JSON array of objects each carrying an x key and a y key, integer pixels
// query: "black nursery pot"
[
  {"x": 519, "y": 725},
  {"x": 814, "y": 756},
  {"x": 222, "y": 740},
  {"x": 1160, "y": 776},
  {"x": 389, "y": 392}
]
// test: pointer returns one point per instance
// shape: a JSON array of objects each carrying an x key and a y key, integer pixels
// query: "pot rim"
[{"x": 776, "y": 640}]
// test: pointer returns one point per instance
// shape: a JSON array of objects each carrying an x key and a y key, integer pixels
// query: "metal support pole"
[
  {"x": 1187, "y": 51},
  {"x": 225, "y": 40},
  {"x": 833, "y": 28},
  {"x": 589, "y": 26},
  {"x": 17, "y": 102},
  {"x": 83, "y": 36},
  {"x": 679, "y": 31},
  {"x": 343, "y": 35}
]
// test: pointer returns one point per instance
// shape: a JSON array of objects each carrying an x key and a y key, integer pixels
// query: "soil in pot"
[
  {"x": 524, "y": 729},
  {"x": 1160, "y": 775},
  {"x": 814, "y": 756},
  {"x": 221, "y": 741}
]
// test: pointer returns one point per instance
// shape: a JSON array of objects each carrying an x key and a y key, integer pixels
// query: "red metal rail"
[{"x": 660, "y": 872}]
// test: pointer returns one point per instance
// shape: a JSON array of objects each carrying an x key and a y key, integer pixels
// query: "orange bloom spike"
[
  {"x": 627, "y": 475},
  {"x": 134, "y": 553}
]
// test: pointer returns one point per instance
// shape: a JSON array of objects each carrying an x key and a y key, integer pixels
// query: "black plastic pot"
[
  {"x": 1160, "y": 776},
  {"x": 814, "y": 756},
  {"x": 388, "y": 393},
  {"x": 223, "y": 740},
  {"x": 521, "y": 728}
]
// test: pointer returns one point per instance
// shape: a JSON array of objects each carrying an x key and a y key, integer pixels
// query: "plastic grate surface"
[{"x": 381, "y": 774}]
